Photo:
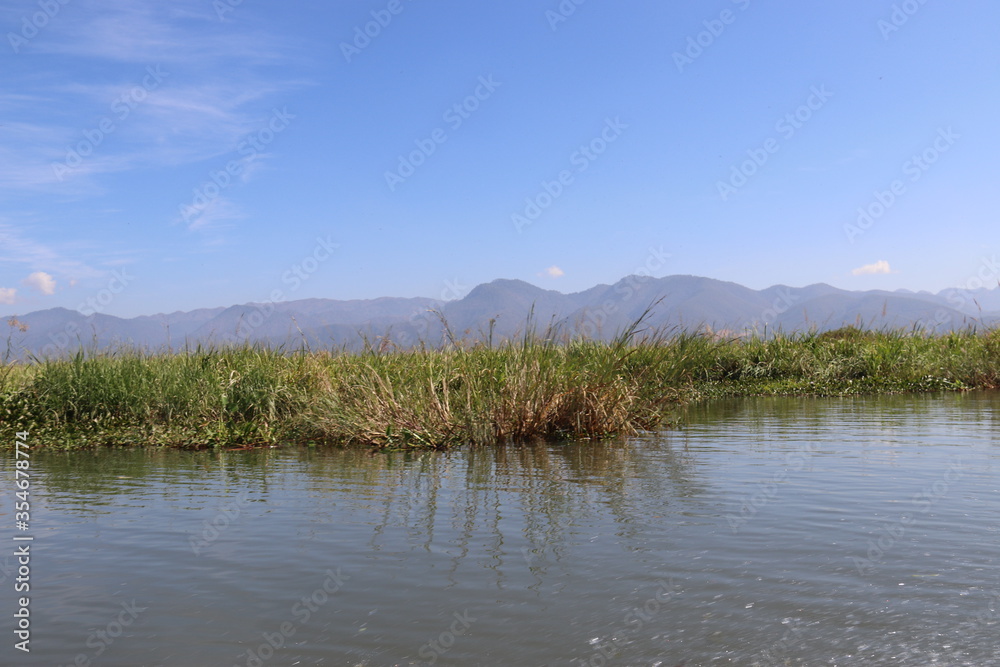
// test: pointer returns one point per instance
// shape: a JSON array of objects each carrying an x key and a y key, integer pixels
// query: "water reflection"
[{"x": 620, "y": 552}]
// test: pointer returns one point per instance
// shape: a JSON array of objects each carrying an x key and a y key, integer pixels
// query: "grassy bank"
[{"x": 531, "y": 388}]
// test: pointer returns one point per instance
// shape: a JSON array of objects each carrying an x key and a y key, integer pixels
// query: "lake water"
[{"x": 860, "y": 531}]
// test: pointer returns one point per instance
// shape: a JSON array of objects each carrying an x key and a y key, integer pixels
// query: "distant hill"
[{"x": 504, "y": 306}]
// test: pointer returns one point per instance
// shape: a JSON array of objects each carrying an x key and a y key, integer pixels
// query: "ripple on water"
[{"x": 778, "y": 531}]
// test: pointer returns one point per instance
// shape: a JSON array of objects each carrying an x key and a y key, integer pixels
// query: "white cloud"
[
  {"x": 553, "y": 272},
  {"x": 880, "y": 266},
  {"x": 7, "y": 295},
  {"x": 42, "y": 282}
]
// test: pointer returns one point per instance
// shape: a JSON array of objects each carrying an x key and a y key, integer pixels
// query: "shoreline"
[{"x": 535, "y": 388}]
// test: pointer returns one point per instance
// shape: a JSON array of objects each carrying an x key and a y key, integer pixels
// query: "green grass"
[{"x": 539, "y": 386}]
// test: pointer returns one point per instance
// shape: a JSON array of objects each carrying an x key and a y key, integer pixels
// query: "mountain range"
[{"x": 503, "y": 308}]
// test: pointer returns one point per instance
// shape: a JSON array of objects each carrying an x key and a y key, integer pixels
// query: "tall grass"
[
  {"x": 238, "y": 395},
  {"x": 483, "y": 394},
  {"x": 536, "y": 386}
]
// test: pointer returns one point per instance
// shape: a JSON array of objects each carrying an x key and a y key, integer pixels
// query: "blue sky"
[{"x": 162, "y": 156}]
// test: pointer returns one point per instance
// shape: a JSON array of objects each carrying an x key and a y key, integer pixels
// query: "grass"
[{"x": 536, "y": 387}]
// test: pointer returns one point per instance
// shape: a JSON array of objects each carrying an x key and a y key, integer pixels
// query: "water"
[{"x": 775, "y": 531}]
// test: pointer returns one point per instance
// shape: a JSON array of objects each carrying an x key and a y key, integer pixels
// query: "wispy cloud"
[
  {"x": 215, "y": 82},
  {"x": 16, "y": 248},
  {"x": 213, "y": 215},
  {"x": 878, "y": 267},
  {"x": 7, "y": 295},
  {"x": 136, "y": 31}
]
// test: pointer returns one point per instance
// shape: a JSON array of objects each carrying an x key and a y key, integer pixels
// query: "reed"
[{"x": 538, "y": 386}]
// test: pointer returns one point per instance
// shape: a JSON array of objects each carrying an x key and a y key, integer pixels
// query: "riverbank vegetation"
[{"x": 541, "y": 386}]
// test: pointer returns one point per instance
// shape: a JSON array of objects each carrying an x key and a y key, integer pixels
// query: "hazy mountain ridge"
[{"x": 684, "y": 302}]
